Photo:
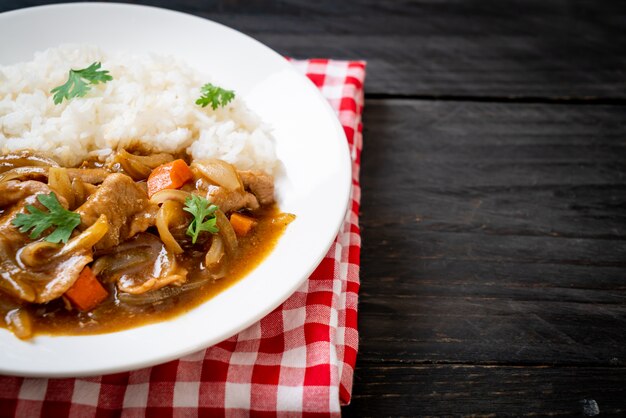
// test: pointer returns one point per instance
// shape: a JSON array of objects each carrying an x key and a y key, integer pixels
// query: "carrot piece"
[
  {"x": 241, "y": 224},
  {"x": 169, "y": 176},
  {"x": 86, "y": 292}
]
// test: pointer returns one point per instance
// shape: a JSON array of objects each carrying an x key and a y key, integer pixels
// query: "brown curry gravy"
[{"x": 112, "y": 315}]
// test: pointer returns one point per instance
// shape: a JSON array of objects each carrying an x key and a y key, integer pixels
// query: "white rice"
[{"x": 150, "y": 101}]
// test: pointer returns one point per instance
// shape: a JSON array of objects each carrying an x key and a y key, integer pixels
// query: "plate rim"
[{"x": 278, "y": 300}]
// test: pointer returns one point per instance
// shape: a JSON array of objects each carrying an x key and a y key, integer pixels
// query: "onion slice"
[
  {"x": 139, "y": 167},
  {"x": 140, "y": 250},
  {"x": 59, "y": 181},
  {"x": 25, "y": 159},
  {"x": 37, "y": 253},
  {"x": 227, "y": 232},
  {"x": 88, "y": 238},
  {"x": 81, "y": 191},
  {"x": 219, "y": 172},
  {"x": 151, "y": 297},
  {"x": 112, "y": 266},
  {"x": 215, "y": 253},
  {"x": 88, "y": 175},
  {"x": 156, "y": 296},
  {"x": 166, "y": 213},
  {"x": 19, "y": 322},
  {"x": 169, "y": 194},
  {"x": 24, "y": 173},
  {"x": 42, "y": 252}
]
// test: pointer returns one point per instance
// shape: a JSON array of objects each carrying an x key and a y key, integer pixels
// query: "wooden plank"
[
  {"x": 476, "y": 48},
  {"x": 490, "y": 330},
  {"x": 528, "y": 170},
  {"x": 528, "y": 49},
  {"x": 493, "y": 233},
  {"x": 453, "y": 390}
]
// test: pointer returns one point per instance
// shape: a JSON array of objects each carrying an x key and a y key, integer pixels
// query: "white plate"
[{"x": 310, "y": 143}]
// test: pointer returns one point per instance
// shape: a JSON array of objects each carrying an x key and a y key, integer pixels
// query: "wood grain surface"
[
  {"x": 535, "y": 49},
  {"x": 493, "y": 196},
  {"x": 461, "y": 390},
  {"x": 493, "y": 259}
]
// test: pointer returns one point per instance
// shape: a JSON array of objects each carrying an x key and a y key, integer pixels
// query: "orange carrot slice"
[
  {"x": 86, "y": 292},
  {"x": 241, "y": 224},
  {"x": 169, "y": 176}
]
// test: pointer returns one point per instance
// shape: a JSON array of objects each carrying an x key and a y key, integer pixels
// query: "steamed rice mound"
[{"x": 150, "y": 102}]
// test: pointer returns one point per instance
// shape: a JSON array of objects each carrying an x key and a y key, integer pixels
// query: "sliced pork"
[{"x": 125, "y": 205}]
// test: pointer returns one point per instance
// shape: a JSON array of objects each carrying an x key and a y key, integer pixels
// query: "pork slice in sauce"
[
  {"x": 88, "y": 175},
  {"x": 141, "y": 264},
  {"x": 259, "y": 184},
  {"x": 125, "y": 205},
  {"x": 11, "y": 241},
  {"x": 143, "y": 220},
  {"x": 12, "y": 191},
  {"x": 46, "y": 281},
  {"x": 229, "y": 201},
  {"x": 52, "y": 280},
  {"x": 42, "y": 283}
]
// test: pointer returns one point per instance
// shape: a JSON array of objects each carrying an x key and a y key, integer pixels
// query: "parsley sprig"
[
  {"x": 64, "y": 220},
  {"x": 200, "y": 208},
  {"x": 79, "y": 81},
  {"x": 214, "y": 96}
]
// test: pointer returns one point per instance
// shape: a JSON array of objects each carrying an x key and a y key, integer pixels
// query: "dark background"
[{"x": 494, "y": 196}]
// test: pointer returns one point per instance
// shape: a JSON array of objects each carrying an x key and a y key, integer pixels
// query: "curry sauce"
[
  {"x": 57, "y": 318},
  {"x": 104, "y": 247},
  {"x": 114, "y": 315}
]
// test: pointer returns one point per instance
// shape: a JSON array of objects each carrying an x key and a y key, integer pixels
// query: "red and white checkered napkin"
[{"x": 297, "y": 361}]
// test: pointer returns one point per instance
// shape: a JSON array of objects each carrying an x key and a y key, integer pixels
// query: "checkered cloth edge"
[{"x": 297, "y": 361}]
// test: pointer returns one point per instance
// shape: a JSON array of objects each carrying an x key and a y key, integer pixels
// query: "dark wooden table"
[{"x": 494, "y": 196}]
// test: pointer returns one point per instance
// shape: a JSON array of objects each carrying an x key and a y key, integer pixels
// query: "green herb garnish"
[
  {"x": 64, "y": 220},
  {"x": 78, "y": 82},
  {"x": 215, "y": 96},
  {"x": 200, "y": 208}
]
